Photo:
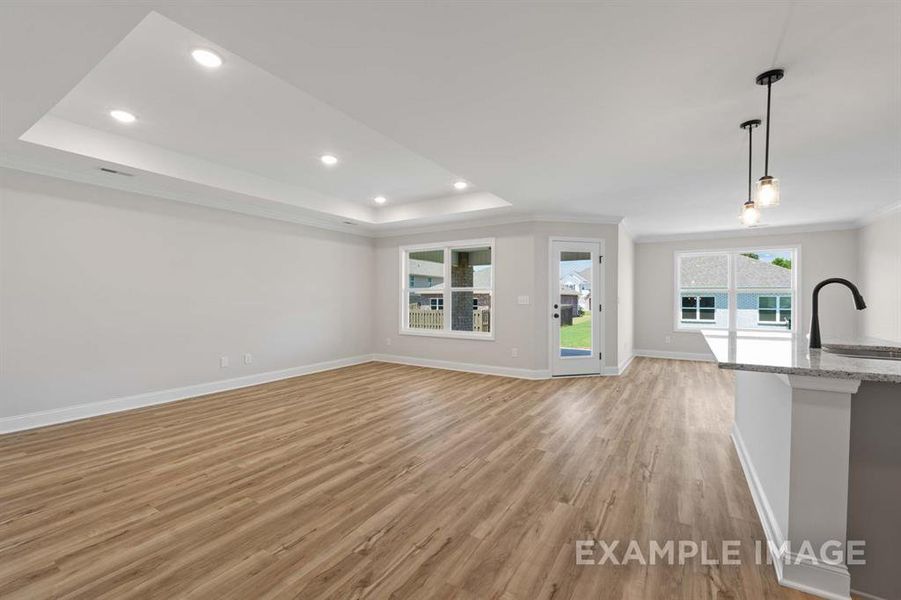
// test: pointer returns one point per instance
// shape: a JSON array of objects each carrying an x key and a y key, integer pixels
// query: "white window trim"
[
  {"x": 732, "y": 292},
  {"x": 447, "y": 247}
]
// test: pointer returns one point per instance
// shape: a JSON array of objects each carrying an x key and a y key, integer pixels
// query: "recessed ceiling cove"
[{"x": 240, "y": 130}]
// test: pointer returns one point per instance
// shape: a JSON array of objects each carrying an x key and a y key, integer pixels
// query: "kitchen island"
[{"x": 817, "y": 435}]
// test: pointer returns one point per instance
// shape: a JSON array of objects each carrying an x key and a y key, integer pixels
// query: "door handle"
[
  {"x": 556, "y": 315},
  {"x": 555, "y": 306}
]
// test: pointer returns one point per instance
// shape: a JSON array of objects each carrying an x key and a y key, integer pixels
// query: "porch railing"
[{"x": 424, "y": 318}]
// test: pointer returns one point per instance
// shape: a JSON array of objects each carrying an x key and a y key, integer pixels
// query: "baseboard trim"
[
  {"x": 625, "y": 364},
  {"x": 466, "y": 367},
  {"x": 703, "y": 357},
  {"x": 866, "y": 596},
  {"x": 813, "y": 577},
  {"x": 618, "y": 369},
  {"x": 103, "y": 407}
]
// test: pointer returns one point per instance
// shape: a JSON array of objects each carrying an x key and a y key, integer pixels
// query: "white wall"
[
  {"x": 521, "y": 269},
  {"x": 823, "y": 254},
  {"x": 880, "y": 276},
  {"x": 626, "y": 295},
  {"x": 107, "y": 294}
]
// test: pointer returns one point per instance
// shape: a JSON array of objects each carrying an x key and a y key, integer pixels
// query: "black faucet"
[{"x": 859, "y": 304}]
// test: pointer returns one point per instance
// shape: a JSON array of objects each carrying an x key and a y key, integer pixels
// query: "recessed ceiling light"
[
  {"x": 123, "y": 116},
  {"x": 207, "y": 58},
  {"x": 328, "y": 159},
  {"x": 460, "y": 185},
  {"x": 379, "y": 199}
]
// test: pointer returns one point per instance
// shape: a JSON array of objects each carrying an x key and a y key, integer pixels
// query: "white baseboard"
[
  {"x": 467, "y": 367},
  {"x": 103, "y": 407},
  {"x": 618, "y": 369},
  {"x": 704, "y": 357},
  {"x": 813, "y": 577},
  {"x": 624, "y": 364},
  {"x": 866, "y": 596}
]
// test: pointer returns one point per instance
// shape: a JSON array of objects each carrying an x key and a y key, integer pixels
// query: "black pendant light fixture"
[
  {"x": 768, "y": 186},
  {"x": 750, "y": 214}
]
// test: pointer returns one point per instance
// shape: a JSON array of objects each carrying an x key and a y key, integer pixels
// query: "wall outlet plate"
[{"x": 223, "y": 362}]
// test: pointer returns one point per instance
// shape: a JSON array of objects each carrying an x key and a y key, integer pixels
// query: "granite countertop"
[{"x": 771, "y": 352}]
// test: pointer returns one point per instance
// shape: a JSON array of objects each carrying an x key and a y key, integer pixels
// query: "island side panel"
[{"x": 763, "y": 408}]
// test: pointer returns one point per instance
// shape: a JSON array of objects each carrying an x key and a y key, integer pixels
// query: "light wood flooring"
[{"x": 381, "y": 481}]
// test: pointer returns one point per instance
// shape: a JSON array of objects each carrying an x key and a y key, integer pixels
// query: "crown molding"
[
  {"x": 883, "y": 212},
  {"x": 470, "y": 222},
  {"x": 749, "y": 232}
]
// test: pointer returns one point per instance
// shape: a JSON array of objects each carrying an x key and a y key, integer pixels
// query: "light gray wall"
[
  {"x": 626, "y": 295},
  {"x": 521, "y": 269},
  {"x": 823, "y": 254},
  {"x": 880, "y": 276},
  {"x": 107, "y": 294}
]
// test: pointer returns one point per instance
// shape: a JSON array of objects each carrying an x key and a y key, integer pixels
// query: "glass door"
[{"x": 575, "y": 307}]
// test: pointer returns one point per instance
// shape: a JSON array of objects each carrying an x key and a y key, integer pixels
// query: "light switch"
[{"x": 522, "y": 300}]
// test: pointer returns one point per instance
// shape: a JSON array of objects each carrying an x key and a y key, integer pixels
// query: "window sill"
[{"x": 457, "y": 335}]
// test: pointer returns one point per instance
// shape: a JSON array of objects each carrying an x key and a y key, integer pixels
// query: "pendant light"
[
  {"x": 750, "y": 214},
  {"x": 768, "y": 186}
]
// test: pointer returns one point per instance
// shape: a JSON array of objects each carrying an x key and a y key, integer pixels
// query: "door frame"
[{"x": 599, "y": 283}]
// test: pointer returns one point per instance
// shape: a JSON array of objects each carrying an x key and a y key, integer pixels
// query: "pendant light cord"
[
  {"x": 750, "y": 155},
  {"x": 766, "y": 159}
]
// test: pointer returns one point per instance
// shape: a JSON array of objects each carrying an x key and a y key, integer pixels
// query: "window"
[
  {"x": 448, "y": 289},
  {"x": 736, "y": 289},
  {"x": 698, "y": 308},
  {"x": 774, "y": 310}
]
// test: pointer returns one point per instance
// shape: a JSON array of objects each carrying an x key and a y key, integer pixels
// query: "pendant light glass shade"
[
  {"x": 767, "y": 192},
  {"x": 750, "y": 214},
  {"x": 767, "y": 187}
]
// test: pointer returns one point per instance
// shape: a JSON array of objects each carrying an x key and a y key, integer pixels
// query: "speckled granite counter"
[{"x": 770, "y": 352}]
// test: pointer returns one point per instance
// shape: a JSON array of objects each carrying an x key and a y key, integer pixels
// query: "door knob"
[
  {"x": 555, "y": 306},
  {"x": 556, "y": 315}
]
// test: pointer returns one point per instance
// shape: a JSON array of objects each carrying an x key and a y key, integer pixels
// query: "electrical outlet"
[
  {"x": 522, "y": 300},
  {"x": 514, "y": 352},
  {"x": 248, "y": 358},
  {"x": 223, "y": 362},
  {"x": 668, "y": 339},
  {"x": 387, "y": 341}
]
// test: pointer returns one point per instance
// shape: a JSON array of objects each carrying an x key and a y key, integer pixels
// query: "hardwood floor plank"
[{"x": 381, "y": 481}]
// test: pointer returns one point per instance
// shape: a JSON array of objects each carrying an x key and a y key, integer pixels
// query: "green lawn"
[{"x": 577, "y": 335}]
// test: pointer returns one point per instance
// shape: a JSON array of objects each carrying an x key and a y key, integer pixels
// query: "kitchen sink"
[{"x": 864, "y": 352}]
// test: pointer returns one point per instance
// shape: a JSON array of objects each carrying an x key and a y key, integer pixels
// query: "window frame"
[
  {"x": 447, "y": 248},
  {"x": 697, "y": 308},
  {"x": 733, "y": 292},
  {"x": 778, "y": 309}
]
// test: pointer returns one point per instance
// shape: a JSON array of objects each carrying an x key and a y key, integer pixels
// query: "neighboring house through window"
[
  {"x": 774, "y": 310},
  {"x": 448, "y": 289},
  {"x": 698, "y": 308},
  {"x": 736, "y": 289}
]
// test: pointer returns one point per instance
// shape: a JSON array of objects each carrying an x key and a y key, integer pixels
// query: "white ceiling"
[{"x": 571, "y": 109}]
